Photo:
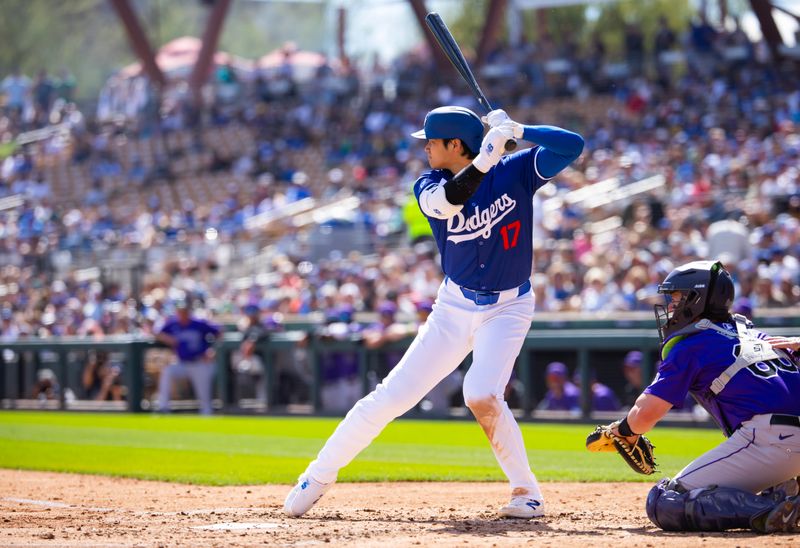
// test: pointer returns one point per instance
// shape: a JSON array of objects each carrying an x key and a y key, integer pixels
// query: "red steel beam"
[
  {"x": 763, "y": 10},
  {"x": 202, "y": 66},
  {"x": 341, "y": 28},
  {"x": 139, "y": 42},
  {"x": 494, "y": 15}
]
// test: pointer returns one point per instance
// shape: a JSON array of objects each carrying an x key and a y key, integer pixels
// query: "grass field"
[{"x": 248, "y": 450}]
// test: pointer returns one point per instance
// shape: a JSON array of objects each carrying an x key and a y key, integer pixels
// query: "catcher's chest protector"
[{"x": 751, "y": 350}]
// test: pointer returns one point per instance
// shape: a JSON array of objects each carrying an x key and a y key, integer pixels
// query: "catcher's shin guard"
[{"x": 705, "y": 509}]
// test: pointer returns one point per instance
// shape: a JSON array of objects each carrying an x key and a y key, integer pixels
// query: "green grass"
[{"x": 248, "y": 450}]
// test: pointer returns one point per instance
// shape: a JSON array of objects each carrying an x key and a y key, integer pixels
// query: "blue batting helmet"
[{"x": 453, "y": 122}]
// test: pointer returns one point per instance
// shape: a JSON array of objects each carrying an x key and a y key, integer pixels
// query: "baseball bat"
[{"x": 450, "y": 48}]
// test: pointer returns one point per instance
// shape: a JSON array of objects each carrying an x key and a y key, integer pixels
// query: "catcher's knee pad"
[
  {"x": 665, "y": 506},
  {"x": 703, "y": 509}
]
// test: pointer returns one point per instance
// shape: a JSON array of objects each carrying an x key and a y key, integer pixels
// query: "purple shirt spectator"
[
  {"x": 561, "y": 395},
  {"x": 603, "y": 398}
]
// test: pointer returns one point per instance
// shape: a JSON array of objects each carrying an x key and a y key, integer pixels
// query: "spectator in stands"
[
  {"x": 703, "y": 43},
  {"x": 561, "y": 394},
  {"x": 603, "y": 398},
  {"x": 442, "y": 396},
  {"x": 634, "y": 49},
  {"x": 46, "y": 386},
  {"x": 43, "y": 91},
  {"x": 743, "y": 306},
  {"x": 664, "y": 42},
  {"x": 248, "y": 360},
  {"x": 16, "y": 87},
  {"x": 632, "y": 371},
  {"x": 341, "y": 382},
  {"x": 385, "y": 331},
  {"x": 192, "y": 340},
  {"x": 101, "y": 379}
]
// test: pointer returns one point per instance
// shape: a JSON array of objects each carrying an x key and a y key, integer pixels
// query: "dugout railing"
[{"x": 581, "y": 348}]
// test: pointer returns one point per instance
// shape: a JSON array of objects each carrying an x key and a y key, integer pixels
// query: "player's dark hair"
[{"x": 467, "y": 151}]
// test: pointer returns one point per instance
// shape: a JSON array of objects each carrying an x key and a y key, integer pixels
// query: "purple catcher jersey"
[
  {"x": 694, "y": 362},
  {"x": 194, "y": 338},
  {"x": 488, "y": 245}
]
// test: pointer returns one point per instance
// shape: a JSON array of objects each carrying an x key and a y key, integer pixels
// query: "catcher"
[{"x": 749, "y": 382}]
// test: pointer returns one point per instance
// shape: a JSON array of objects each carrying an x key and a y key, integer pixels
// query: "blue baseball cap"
[{"x": 453, "y": 122}]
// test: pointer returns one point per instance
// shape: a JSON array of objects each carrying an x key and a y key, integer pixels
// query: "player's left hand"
[
  {"x": 636, "y": 451},
  {"x": 495, "y": 117}
]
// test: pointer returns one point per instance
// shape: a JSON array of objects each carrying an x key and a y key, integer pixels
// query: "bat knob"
[{"x": 511, "y": 145}]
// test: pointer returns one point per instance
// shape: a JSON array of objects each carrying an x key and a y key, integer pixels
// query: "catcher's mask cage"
[{"x": 706, "y": 292}]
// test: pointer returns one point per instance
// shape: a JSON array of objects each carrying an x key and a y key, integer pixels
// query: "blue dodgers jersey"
[
  {"x": 761, "y": 388},
  {"x": 488, "y": 245}
]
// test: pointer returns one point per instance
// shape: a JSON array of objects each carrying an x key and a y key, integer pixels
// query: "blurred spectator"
[
  {"x": 561, "y": 394},
  {"x": 634, "y": 48},
  {"x": 192, "y": 340},
  {"x": 101, "y": 379},
  {"x": 341, "y": 382},
  {"x": 441, "y": 398},
  {"x": 46, "y": 386},
  {"x": 603, "y": 398},
  {"x": 385, "y": 331},
  {"x": 743, "y": 306},
  {"x": 16, "y": 87},
  {"x": 632, "y": 371},
  {"x": 247, "y": 361},
  {"x": 729, "y": 240}
]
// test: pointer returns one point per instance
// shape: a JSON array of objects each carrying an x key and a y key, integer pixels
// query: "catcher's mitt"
[{"x": 639, "y": 456}]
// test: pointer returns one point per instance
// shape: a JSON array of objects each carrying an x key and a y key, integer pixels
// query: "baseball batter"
[
  {"x": 749, "y": 383},
  {"x": 479, "y": 205}
]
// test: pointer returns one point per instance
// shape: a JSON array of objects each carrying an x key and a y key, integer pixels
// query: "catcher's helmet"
[{"x": 707, "y": 292}]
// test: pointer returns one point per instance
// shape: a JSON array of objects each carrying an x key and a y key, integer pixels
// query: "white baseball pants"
[
  {"x": 456, "y": 326},
  {"x": 200, "y": 374},
  {"x": 758, "y": 455}
]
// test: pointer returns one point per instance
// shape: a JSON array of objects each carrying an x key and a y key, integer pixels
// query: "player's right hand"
[
  {"x": 788, "y": 343},
  {"x": 516, "y": 129},
  {"x": 492, "y": 147}
]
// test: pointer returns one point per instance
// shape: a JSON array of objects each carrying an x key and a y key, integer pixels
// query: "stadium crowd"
[{"x": 694, "y": 139}]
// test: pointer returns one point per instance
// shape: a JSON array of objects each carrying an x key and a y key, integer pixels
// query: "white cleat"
[
  {"x": 523, "y": 507},
  {"x": 304, "y": 495}
]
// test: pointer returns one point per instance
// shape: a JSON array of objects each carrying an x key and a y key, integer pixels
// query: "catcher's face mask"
[
  {"x": 691, "y": 291},
  {"x": 676, "y": 312}
]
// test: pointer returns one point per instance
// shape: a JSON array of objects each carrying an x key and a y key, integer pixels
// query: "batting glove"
[
  {"x": 495, "y": 118},
  {"x": 492, "y": 148},
  {"x": 516, "y": 129}
]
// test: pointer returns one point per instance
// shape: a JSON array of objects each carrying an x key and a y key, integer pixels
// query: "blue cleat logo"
[
  {"x": 534, "y": 504},
  {"x": 489, "y": 147},
  {"x": 304, "y": 485}
]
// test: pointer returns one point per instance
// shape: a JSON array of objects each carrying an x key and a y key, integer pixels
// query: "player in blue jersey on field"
[
  {"x": 750, "y": 384},
  {"x": 479, "y": 206}
]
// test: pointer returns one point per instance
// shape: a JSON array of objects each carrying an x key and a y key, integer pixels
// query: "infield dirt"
[{"x": 59, "y": 510}]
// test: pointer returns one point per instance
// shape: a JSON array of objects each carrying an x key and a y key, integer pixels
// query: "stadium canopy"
[
  {"x": 304, "y": 64},
  {"x": 177, "y": 59},
  {"x": 537, "y": 4}
]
